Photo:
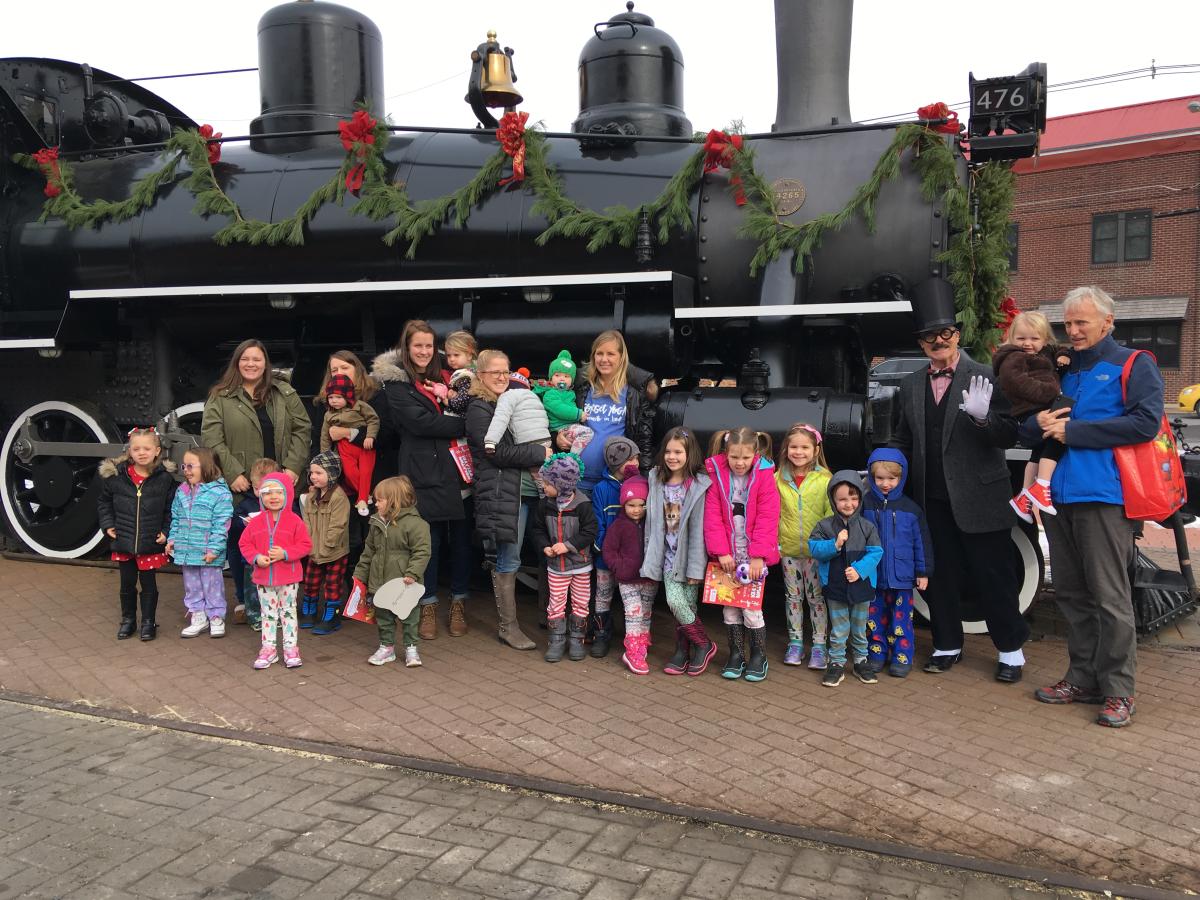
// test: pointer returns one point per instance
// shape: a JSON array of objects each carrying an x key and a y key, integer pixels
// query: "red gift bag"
[
  {"x": 462, "y": 459},
  {"x": 725, "y": 590},
  {"x": 1151, "y": 473},
  {"x": 358, "y": 605}
]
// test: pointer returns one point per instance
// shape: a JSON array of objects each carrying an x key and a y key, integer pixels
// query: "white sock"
[
  {"x": 1043, "y": 482},
  {"x": 947, "y": 652},
  {"x": 1013, "y": 658}
]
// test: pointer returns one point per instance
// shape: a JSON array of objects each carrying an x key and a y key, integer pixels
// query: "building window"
[
  {"x": 1121, "y": 237},
  {"x": 1160, "y": 338},
  {"x": 1014, "y": 237}
]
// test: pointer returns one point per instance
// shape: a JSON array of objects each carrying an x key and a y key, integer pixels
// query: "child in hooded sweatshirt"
[
  {"x": 741, "y": 531},
  {"x": 848, "y": 550},
  {"x": 620, "y": 461},
  {"x": 275, "y": 542},
  {"x": 907, "y": 562},
  {"x": 624, "y": 551},
  {"x": 558, "y": 397}
]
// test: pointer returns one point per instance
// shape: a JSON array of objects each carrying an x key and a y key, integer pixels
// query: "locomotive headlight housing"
[
  {"x": 282, "y": 301},
  {"x": 1008, "y": 114}
]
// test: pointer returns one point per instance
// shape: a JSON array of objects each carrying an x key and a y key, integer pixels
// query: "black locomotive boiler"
[{"x": 80, "y": 310}]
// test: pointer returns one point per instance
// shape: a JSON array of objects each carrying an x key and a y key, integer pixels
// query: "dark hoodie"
[
  {"x": 862, "y": 549},
  {"x": 903, "y": 531}
]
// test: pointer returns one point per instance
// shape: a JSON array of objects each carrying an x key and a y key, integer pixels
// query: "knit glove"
[{"x": 977, "y": 398}]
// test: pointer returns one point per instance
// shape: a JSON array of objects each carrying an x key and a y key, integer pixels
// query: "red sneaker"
[
  {"x": 1065, "y": 692},
  {"x": 1022, "y": 505},
  {"x": 1117, "y": 712},
  {"x": 1040, "y": 495}
]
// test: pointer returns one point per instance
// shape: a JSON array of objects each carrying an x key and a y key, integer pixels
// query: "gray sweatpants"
[{"x": 1091, "y": 552}]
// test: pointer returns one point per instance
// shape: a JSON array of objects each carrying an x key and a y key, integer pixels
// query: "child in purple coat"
[{"x": 624, "y": 548}]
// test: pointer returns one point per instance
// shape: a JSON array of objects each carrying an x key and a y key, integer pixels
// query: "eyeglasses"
[
  {"x": 501, "y": 372},
  {"x": 944, "y": 334},
  {"x": 190, "y": 467}
]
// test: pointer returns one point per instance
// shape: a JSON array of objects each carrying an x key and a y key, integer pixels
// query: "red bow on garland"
[
  {"x": 940, "y": 110},
  {"x": 719, "y": 148},
  {"x": 1008, "y": 312},
  {"x": 357, "y": 135},
  {"x": 47, "y": 159},
  {"x": 214, "y": 149},
  {"x": 511, "y": 135}
]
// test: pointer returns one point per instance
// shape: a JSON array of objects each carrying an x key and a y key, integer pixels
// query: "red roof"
[{"x": 1122, "y": 132}]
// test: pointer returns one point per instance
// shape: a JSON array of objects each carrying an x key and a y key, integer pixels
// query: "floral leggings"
[
  {"x": 802, "y": 581},
  {"x": 604, "y": 590},
  {"x": 638, "y": 598},
  {"x": 682, "y": 598},
  {"x": 278, "y": 610}
]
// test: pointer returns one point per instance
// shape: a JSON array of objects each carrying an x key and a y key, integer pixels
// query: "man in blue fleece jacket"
[{"x": 1091, "y": 541}]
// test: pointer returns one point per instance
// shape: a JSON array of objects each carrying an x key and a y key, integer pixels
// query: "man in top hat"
[{"x": 954, "y": 432}]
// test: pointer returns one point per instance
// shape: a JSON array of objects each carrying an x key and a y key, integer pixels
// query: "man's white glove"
[{"x": 977, "y": 399}]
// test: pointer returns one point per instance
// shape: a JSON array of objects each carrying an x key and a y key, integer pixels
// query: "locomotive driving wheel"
[{"x": 50, "y": 501}]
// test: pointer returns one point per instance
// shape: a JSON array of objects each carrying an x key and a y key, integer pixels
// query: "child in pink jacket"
[
  {"x": 741, "y": 532},
  {"x": 275, "y": 542}
]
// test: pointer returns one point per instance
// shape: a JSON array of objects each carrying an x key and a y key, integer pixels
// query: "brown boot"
[
  {"x": 458, "y": 619},
  {"x": 509, "y": 631},
  {"x": 427, "y": 630}
]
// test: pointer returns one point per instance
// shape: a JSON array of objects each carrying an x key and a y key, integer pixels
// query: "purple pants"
[{"x": 204, "y": 590}]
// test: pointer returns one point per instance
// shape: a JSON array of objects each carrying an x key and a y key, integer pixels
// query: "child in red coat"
[
  {"x": 275, "y": 542},
  {"x": 624, "y": 550}
]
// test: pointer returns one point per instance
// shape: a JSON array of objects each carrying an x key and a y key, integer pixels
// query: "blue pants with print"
[
  {"x": 847, "y": 620},
  {"x": 890, "y": 628}
]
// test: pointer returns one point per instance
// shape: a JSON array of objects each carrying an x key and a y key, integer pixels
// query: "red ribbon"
[
  {"x": 719, "y": 148},
  {"x": 1008, "y": 310},
  {"x": 511, "y": 135},
  {"x": 354, "y": 178},
  {"x": 47, "y": 160},
  {"x": 214, "y": 149},
  {"x": 357, "y": 135},
  {"x": 940, "y": 110}
]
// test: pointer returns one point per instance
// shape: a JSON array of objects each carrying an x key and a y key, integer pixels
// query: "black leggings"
[
  {"x": 130, "y": 578},
  {"x": 1050, "y": 448}
]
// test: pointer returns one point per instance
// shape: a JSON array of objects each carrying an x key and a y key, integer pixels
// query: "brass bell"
[{"x": 496, "y": 77}]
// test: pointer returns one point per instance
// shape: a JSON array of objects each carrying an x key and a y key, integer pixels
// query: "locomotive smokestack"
[{"x": 812, "y": 58}]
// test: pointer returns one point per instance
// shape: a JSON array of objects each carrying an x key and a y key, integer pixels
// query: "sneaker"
[
  {"x": 1039, "y": 494},
  {"x": 291, "y": 657},
  {"x": 239, "y": 614},
  {"x": 1117, "y": 712},
  {"x": 865, "y": 672},
  {"x": 412, "y": 658},
  {"x": 266, "y": 656},
  {"x": 198, "y": 625},
  {"x": 794, "y": 655},
  {"x": 216, "y": 627},
  {"x": 834, "y": 674},
  {"x": 255, "y": 624},
  {"x": 363, "y": 509},
  {"x": 816, "y": 659},
  {"x": 1022, "y": 505},
  {"x": 385, "y": 654},
  {"x": 1065, "y": 692}
]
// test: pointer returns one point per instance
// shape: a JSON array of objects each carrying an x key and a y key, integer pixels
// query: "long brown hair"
[
  {"x": 478, "y": 388},
  {"x": 740, "y": 437},
  {"x": 209, "y": 469},
  {"x": 231, "y": 378},
  {"x": 364, "y": 385},
  {"x": 412, "y": 327},
  {"x": 784, "y": 465},
  {"x": 693, "y": 464}
]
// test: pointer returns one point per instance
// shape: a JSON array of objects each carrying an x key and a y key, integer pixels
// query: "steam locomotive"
[{"x": 82, "y": 311}]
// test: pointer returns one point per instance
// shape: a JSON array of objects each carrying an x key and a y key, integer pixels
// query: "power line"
[{"x": 180, "y": 75}]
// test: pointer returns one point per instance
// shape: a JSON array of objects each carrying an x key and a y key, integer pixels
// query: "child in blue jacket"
[{"x": 907, "y": 562}]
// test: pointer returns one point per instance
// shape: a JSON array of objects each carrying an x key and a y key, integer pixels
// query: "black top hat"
[{"x": 933, "y": 306}]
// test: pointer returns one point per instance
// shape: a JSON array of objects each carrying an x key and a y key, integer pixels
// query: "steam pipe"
[{"x": 812, "y": 59}]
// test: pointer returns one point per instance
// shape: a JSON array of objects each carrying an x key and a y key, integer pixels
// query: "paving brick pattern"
[
  {"x": 96, "y": 810},
  {"x": 956, "y": 763}
]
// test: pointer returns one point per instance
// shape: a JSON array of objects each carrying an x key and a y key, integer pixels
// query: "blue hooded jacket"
[{"x": 903, "y": 531}]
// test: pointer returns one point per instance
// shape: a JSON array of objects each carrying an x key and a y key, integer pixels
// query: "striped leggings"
[{"x": 578, "y": 585}]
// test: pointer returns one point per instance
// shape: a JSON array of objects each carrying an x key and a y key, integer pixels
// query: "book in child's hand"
[
  {"x": 358, "y": 605},
  {"x": 722, "y": 589}
]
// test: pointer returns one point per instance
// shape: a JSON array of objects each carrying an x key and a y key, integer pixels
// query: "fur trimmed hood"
[
  {"x": 387, "y": 367},
  {"x": 110, "y": 467}
]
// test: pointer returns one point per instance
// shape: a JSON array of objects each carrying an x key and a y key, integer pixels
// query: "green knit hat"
[{"x": 564, "y": 364}]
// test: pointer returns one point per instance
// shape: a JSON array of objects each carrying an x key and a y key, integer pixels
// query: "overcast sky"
[{"x": 904, "y": 55}]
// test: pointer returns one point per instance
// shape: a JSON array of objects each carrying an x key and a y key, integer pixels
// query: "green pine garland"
[{"x": 977, "y": 254}]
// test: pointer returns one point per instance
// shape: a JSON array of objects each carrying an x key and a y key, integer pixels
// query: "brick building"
[{"x": 1112, "y": 200}]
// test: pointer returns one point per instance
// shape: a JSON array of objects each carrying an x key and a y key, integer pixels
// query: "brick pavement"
[
  {"x": 95, "y": 810},
  {"x": 956, "y": 763}
]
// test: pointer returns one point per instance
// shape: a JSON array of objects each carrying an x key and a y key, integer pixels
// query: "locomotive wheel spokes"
[
  {"x": 1032, "y": 565},
  {"x": 50, "y": 501}
]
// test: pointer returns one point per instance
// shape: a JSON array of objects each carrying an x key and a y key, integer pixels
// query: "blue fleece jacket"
[
  {"x": 606, "y": 503},
  {"x": 903, "y": 531}
]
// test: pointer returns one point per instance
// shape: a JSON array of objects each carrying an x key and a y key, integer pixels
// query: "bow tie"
[{"x": 941, "y": 373}]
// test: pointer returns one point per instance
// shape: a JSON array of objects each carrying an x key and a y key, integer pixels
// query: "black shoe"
[
  {"x": 1008, "y": 674},
  {"x": 149, "y": 630},
  {"x": 601, "y": 634},
  {"x": 865, "y": 673},
  {"x": 126, "y": 629},
  {"x": 678, "y": 662},
  {"x": 939, "y": 664},
  {"x": 834, "y": 673}
]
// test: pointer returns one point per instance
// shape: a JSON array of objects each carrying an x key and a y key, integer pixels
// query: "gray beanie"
[{"x": 618, "y": 451}]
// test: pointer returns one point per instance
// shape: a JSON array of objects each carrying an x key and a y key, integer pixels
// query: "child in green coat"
[
  {"x": 397, "y": 546},
  {"x": 558, "y": 397}
]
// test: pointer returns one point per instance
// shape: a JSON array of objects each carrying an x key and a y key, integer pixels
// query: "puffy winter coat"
[
  {"x": 327, "y": 521},
  {"x": 497, "y": 477},
  {"x": 801, "y": 507},
  {"x": 230, "y": 428},
  {"x": 1029, "y": 380},
  {"x": 625, "y": 548},
  {"x": 762, "y": 511},
  {"x": 690, "y": 557},
  {"x": 282, "y": 529},
  {"x": 560, "y": 405},
  {"x": 361, "y": 415},
  {"x": 396, "y": 549},
  {"x": 573, "y": 525},
  {"x": 200, "y": 518},
  {"x": 519, "y": 412},
  {"x": 639, "y": 408},
  {"x": 903, "y": 531},
  {"x": 139, "y": 514}
]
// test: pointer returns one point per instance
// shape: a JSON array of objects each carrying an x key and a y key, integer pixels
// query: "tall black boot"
[
  {"x": 149, "y": 611},
  {"x": 601, "y": 634},
  {"x": 677, "y": 664},
  {"x": 128, "y": 615},
  {"x": 737, "y": 663},
  {"x": 756, "y": 666},
  {"x": 558, "y": 640}
]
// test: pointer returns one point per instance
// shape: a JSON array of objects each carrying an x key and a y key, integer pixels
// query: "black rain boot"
[
  {"x": 756, "y": 667},
  {"x": 308, "y": 612},
  {"x": 128, "y": 615},
  {"x": 703, "y": 649},
  {"x": 149, "y": 611},
  {"x": 558, "y": 640},
  {"x": 677, "y": 664},
  {"x": 331, "y": 618},
  {"x": 575, "y": 629},
  {"x": 601, "y": 634},
  {"x": 737, "y": 663}
]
